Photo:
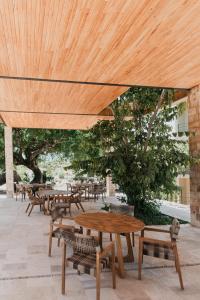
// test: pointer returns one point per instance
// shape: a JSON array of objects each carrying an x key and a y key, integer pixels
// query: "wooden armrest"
[
  {"x": 154, "y": 241},
  {"x": 108, "y": 249},
  {"x": 155, "y": 230},
  {"x": 63, "y": 226}
]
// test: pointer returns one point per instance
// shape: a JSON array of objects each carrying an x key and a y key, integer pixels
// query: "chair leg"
[
  {"x": 113, "y": 268},
  {"x": 133, "y": 239},
  {"x": 98, "y": 278},
  {"x": 43, "y": 207},
  {"x": 27, "y": 207},
  {"x": 63, "y": 268},
  {"x": 70, "y": 213},
  {"x": 111, "y": 237},
  {"x": 140, "y": 259},
  {"x": 82, "y": 207},
  {"x": 50, "y": 243},
  {"x": 177, "y": 263},
  {"x": 23, "y": 196},
  {"x": 77, "y": 205},
  {"x": 31, "y": 209}
]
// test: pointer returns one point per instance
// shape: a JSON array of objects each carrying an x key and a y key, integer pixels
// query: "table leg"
[
  {"x": 120, "y": 268},
  {"x": 100, "y": 240},
  {"x": 130, "y": 249}
]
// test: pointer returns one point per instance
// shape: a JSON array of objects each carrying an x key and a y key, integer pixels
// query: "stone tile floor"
[{"x": 27, "y": 273}]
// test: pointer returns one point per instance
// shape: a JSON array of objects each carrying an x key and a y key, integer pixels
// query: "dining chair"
[
  {"x": 165, "y": 249},
  {"x": 97, "y": 191},
  {"x": 20, "y": 190},
  {"x": 76, "y": 199},
  {"x": 88, "y": 258},
  {"x": 57, "y": 227},
  {"x": 34, "y": 201},
  {"x": 62, "y": 202}
]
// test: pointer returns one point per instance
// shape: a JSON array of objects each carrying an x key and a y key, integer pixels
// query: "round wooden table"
[
  {"x": 112, "y": 223},
  {"x": 52, "y": 193}
]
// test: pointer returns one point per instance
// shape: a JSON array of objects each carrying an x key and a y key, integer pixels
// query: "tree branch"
[
  {"x": 45, "y": 146},
  {"x": 153, "y": 117},
  {"x": 18, "y": 158}
]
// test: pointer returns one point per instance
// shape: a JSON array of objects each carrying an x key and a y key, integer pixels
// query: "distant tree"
[{"x": 30, "y": 144}]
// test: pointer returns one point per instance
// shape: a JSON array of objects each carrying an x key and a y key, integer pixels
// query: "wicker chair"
[
  {"x": 161, "y": 248},
  {"x": 35, "y": 201},
  {"x": 57, "y": 228},
  {"x": 20, "y": 189},
  {"x": 88, "y": 258},
  {"x": 98, "y": 190},
  {"x": 62, "y": 202},
  {"x": 76, "y": 199}
]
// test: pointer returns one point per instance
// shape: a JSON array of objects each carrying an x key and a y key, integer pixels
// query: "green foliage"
[
  {"x": 86, "y": 155},
  {"x": 139, "y": 151},
  {"x": 30, "y": 145}
]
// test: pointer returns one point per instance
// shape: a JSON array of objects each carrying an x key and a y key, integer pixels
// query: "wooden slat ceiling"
[
  {"x": 56, "y": 121},
  {"x": 55, "y": 97},
  {"x": 146, "y": 42}
]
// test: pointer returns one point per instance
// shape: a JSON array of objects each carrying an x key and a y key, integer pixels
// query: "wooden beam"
[{"x": 82, "y": 82}]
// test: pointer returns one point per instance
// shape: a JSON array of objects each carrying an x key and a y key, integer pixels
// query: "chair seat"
[
  {"x": 59, "y": 232},
  {"x": 37, "y": 202},
  {"x": 62, "y": 205},
  {"x": 157, "y": 250},
  {"x": 86, "y": 263}
]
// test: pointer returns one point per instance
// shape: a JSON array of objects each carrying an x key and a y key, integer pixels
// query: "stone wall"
[{"x": 194, "y": 144}]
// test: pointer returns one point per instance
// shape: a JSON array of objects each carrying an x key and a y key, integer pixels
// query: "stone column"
[
  {"x": 9, "y": 161},
  {"x": 194, "y": 146},
  {"x": 110, "y": 187}
]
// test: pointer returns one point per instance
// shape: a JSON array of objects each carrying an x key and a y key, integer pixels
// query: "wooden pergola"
[{"x": 63, "y": 61}]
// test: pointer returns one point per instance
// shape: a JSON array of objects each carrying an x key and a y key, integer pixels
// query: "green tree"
[
  {"x": 139, "y": 151},
  {"x": 30, "y": 144}
]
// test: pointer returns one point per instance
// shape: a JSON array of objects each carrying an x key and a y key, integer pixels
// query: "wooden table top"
[
  {"x": 52, "y": 192},
  {"x": 109, "y": 222}
]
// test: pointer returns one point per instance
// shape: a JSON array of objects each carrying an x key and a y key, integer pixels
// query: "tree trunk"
[{"x": 37, "y": 174}]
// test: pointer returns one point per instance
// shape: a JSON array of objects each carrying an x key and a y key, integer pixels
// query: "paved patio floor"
[{"x": 27, "y": 273}]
